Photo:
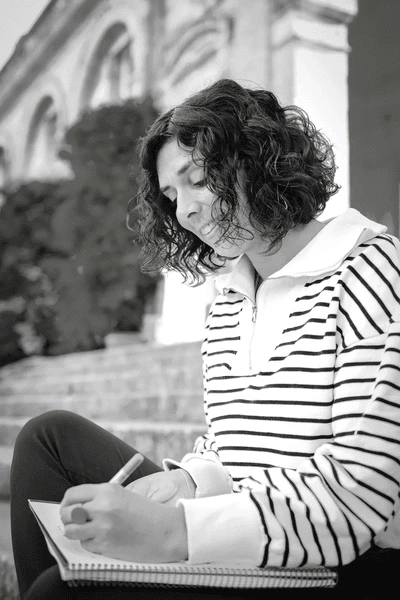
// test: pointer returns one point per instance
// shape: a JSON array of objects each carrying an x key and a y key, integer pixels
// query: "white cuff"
[
  {"x": 224, "y": 529},
  {"x": 210, "y": 477}
]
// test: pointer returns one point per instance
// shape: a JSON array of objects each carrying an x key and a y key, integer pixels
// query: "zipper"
[
  {"x": 254, "y": 313},
  {"x": 253, "y": 320}
]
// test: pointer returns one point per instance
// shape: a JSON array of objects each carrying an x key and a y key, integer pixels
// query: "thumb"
[
  {"x": 139, "y": 486},
  {"x": 159, "y": 489}
]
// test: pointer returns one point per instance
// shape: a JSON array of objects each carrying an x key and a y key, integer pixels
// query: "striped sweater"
[{"x": 301, "y": 461}]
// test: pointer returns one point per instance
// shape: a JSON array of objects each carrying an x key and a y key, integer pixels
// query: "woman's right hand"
[{"x": 166, "y": 487}]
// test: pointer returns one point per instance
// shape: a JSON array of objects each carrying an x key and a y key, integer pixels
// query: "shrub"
[
  {"x": 68, "y": 263},
  {"x": 8, "y": 579}
]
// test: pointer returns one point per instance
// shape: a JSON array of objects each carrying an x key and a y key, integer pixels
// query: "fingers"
[
  {"x": 189, "y": 484},
  {"x": 79, "y": 494},
  {"x": 80, "y": 501},
  {"x": 165, "y": 487},
  {"x": 91, "y": 546},
  {"x": 76, "y": 528},
  {"x": 80, "y": 532},
  {"x": 79, "y": 515},
  {"x": 74, "y": 513},
  {"x": 139, "y": 486}
]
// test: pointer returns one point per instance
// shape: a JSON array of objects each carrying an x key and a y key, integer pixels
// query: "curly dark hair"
[{"x": 244, "y": 139}]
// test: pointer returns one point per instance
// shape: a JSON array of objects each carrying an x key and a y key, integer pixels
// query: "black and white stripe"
[{"x": 314, "y": 435}]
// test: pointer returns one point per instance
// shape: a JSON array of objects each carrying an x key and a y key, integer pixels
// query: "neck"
[{"x": 295, "y": 240}]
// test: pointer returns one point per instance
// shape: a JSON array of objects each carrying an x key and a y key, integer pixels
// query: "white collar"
[{"x": 322, "y": 255}]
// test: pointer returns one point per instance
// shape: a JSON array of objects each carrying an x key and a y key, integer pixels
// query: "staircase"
[{"x": 150, "y": 396}]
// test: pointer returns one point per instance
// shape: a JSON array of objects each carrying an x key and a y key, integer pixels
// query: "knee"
[
  {"x": 36, "y": 428},
  {"x": 49, "y": 586}
]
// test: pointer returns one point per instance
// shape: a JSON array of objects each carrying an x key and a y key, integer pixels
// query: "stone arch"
[
  {"x": 4, "y": 171},
  {"x": 45, "y": 132},
  {"x": 6, "y": 162},
  {"x": 109, "y": 77},
  {"x": 3, "y": 167},
  {"x": 118, "y": 41},
  {"x": 42, "y": 141}
]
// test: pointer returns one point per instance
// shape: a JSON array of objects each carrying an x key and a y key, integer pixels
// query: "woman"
[{"x": 301, "y": 462}]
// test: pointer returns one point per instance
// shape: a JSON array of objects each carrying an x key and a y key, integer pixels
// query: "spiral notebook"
[{"x": 80, "y": 567}]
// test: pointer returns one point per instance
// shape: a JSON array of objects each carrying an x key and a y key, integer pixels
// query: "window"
[
  {"x": 110, "y": 75},
  {"x": 42, "y": 144},
  {"x": 3, "y": 174}
]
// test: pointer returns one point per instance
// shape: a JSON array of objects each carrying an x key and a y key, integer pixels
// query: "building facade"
[{"x": 85, "y": 53}]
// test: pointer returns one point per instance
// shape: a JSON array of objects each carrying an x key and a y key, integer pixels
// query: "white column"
[
  {"x": 184, "y": 310},
  {"x": 309, "y": 68},
  {"x": 248, "y": 53}
]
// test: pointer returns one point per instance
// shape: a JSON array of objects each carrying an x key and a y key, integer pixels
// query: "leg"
[
  {"x": 54, "y": 451},
  {"x": 49, "y": 586},
  {"x": 371, "y": 575},
  {"x": 60, "y": 449}
]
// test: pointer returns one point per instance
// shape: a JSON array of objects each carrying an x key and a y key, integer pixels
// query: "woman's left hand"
[{"x": 125, "y": 525}]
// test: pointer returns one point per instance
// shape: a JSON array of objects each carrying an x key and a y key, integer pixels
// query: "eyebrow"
[{"x": 180, "y": 171}]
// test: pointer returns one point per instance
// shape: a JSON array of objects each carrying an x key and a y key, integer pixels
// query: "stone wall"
[{"x": 374, "y": 105}]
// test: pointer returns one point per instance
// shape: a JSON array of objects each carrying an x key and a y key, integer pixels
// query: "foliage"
[
  {"x": 102, "y": 146},
  {"x": 8, "y": 579},
  {"x": 69, "y": 271}
]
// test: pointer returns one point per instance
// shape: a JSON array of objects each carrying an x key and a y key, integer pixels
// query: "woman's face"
[{"x": 183, "y": 182}]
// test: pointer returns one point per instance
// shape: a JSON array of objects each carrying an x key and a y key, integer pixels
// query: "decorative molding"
[
  {"x": 132, "y": 15},
  {"x": 191, "y": 44},
  {"x": 54, "y": 88},
  {"x": 8, "y": 159},
  {"x": 296, "y": 26},
  {"x": 46, "y": 38},
  {"x": 338, "y": 11},
  {"x": 202, "y": 40}
]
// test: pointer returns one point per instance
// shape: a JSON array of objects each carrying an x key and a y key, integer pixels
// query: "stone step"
[
  {"x": 110, "y": 360},
  {"x": 155, "y": 439},
  {"x": 6, "y": 453},
  {"x": 159, "y": 405},
  {"x": 149, "y": 396},
  {"x": 151, "y": 380}
]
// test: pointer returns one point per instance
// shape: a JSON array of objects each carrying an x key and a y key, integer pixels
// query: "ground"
[{"x": 5, "y": 533}]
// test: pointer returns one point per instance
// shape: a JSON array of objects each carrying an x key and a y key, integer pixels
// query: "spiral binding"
[{"x": 205, "y": 576}]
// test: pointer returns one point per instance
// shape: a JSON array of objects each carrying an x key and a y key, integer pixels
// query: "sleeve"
[{"x": 330, "y": 509}]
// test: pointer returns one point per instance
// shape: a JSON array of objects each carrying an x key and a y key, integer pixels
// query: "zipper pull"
[{"x": 254, "y": 313}]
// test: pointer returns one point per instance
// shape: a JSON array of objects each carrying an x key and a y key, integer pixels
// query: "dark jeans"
[{"x": 59, "y": 449}]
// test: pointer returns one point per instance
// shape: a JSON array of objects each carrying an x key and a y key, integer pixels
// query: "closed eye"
[{"x": 200, "y": 183}]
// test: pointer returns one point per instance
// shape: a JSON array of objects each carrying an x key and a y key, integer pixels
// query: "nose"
[{"x": 187, "y": 208}]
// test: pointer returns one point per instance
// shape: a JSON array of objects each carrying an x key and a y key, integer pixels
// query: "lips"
[{"x": 207, "y": 228}]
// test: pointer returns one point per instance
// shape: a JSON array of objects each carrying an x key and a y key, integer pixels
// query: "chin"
[{"x": 227, "y": 253}]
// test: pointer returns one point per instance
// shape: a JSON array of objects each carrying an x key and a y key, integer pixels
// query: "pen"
[
  {"x": 79, "y": 514},
  {"x": 127, "y": 469}
]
